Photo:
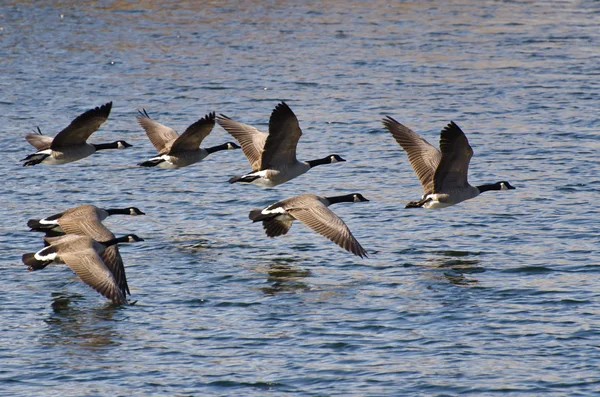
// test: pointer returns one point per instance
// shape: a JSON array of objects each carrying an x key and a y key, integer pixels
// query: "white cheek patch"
[{"x": 503, "y": 186}]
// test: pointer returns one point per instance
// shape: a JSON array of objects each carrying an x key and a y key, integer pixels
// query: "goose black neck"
[
  {"x": 118, "y": 211},
  {"x": 217, "y": 148},
  {"x": 103, "y": 146},
  {"x": 314, "y": 163},
  {"x": 114, "y": 241},
  {"x": 489, "y": 186},
  {"x": 347, "y": 198}
]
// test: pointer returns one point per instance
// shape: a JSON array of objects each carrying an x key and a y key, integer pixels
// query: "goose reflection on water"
[
  {"x": 284, "y": 278},
  {"x": 457, "y": 269},
  {"x": 67, "y": 324}
]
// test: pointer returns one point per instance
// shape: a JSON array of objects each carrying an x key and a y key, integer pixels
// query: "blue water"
[{"x": 499, "y": 295}]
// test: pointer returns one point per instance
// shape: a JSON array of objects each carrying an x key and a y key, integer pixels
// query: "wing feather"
[
  {"x": 193, "y": 136},
  {"x": 423, "y": 157},
  {"x": 82, "y": 127},
  {"x": 454, "y": 165},
  {"x": 250, "y": 139}
]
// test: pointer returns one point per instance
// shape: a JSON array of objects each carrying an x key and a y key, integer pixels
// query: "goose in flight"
[
  {"x": 83, "y": 255},
  {"x": 272, "y": 156},
  {"x": 313, "y": 212},
  {"x": 86, "y": 220},
  {"x": 70, "y": 144},
  {"x": 176, "y": 151},
  {"x": 52, "y": 225},
  {"x": 443, "y": 173}
]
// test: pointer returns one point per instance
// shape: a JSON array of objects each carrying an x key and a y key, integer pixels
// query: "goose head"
[
  {"x": 132, "y": 238},
  {"x": 122, "y": 144},
  {"x": 503, "y": 185},
  {"x": 335, "y": 158},
  {"x": 135, "y": 211},
  {"x": 358, "y": 197},
  {"x": 232, "y": 146}
]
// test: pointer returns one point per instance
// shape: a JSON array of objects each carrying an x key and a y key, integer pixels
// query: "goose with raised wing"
[
  {"x": 313, "y": 211},
  {"x": 83, "y": 255},
  {"x": 272, "y": 156},
  {"x": 443, "y": 173},
  {"x": 71, "y": 143},
  {"x": 176, "y": 151}
]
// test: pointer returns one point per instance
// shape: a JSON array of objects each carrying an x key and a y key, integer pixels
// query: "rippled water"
[{"x": 496, "y": 296}]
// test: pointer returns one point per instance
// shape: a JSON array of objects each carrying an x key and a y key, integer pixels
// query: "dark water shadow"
[
  {"x": 71, "y": 324},
  {"x": 285, "y": 278},
  {"x": 457, "y": 269}
]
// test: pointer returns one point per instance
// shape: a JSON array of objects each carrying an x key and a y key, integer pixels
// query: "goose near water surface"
[
  {"x": 272, "y": 156},
  {"x": 443, "y": 173},
  {"x": 83, "y": 255},
  {"x": 176, "y": 151},
  {"x": 70, "y": 144},
  {"x": 313, "y": 212}
]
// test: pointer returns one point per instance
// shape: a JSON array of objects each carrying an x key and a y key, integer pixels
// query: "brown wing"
[
  {"x": 193, "y": 136},
  {"x": 82, "y": 127},
  {"x": 323, "y": 221},
  {"x": 277, "y": 227},
  {"x": 454, "y": 165},
  {"x": 96, "y": 230},
  {"x": 162, "y": 137},
  {"x": 90, "y": 268},
  {"x": 40, "y": 142},
  {"x": 284, "y": 133},
  {"x": 423, "y": 157},
  {"x": 250, "y": 139}
]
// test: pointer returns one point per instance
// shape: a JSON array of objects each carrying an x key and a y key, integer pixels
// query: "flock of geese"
[{"x": 78, "y": 238}]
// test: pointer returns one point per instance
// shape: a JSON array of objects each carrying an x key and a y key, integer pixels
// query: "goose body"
[
  {"x": 272, "y": 156},
  {"x": 83, "y": 255},
  {"x": 71, "y": 143},
  {"x": 313, "y": 211},
  {"x": 442, "y": 173},
  {"x": 176, "y": 151},
  {"x": 86, "y": 212}
]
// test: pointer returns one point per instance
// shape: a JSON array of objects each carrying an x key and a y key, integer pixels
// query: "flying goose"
[
  {"x": 86, "y": 220},
  {"x": 83, "y": 255},
  {"x": 176, "y": 151},
  {"x": 313, "y": 212},
  {"x": 70, "y": 144},
  {"x": 443, "y": 173},
  {"x": 273, "y": 156},
  {"x": 52, "y": 225}
]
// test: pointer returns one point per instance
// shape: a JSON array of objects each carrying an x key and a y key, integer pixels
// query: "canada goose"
[
  {"x": 86, "y": 220},
  {"x": 70, "y": 144},
  {"x": 443, "y": 173},
  {"x": 176, "y": 151},
  {"x": 52, "y": 224},
  {"x": 313, "y": 212},
  {"x": 82, "y": 255},
  {"x": 273, "y": 156}
]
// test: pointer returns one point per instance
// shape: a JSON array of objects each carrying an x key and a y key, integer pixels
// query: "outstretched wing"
[
  {"x": 82, "y": 127},
  {"x": 162, "y": 137},
  {"x": 193, "y": 136},
  {"x": 250, "y": 139},
  {"x": 456, "y": 156},
  {"x": 323, "y": 221},
  {"x": 90, "y": 268},
  {"x": 423, "y": 157},
  {"x": 284, "y": 134}
]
